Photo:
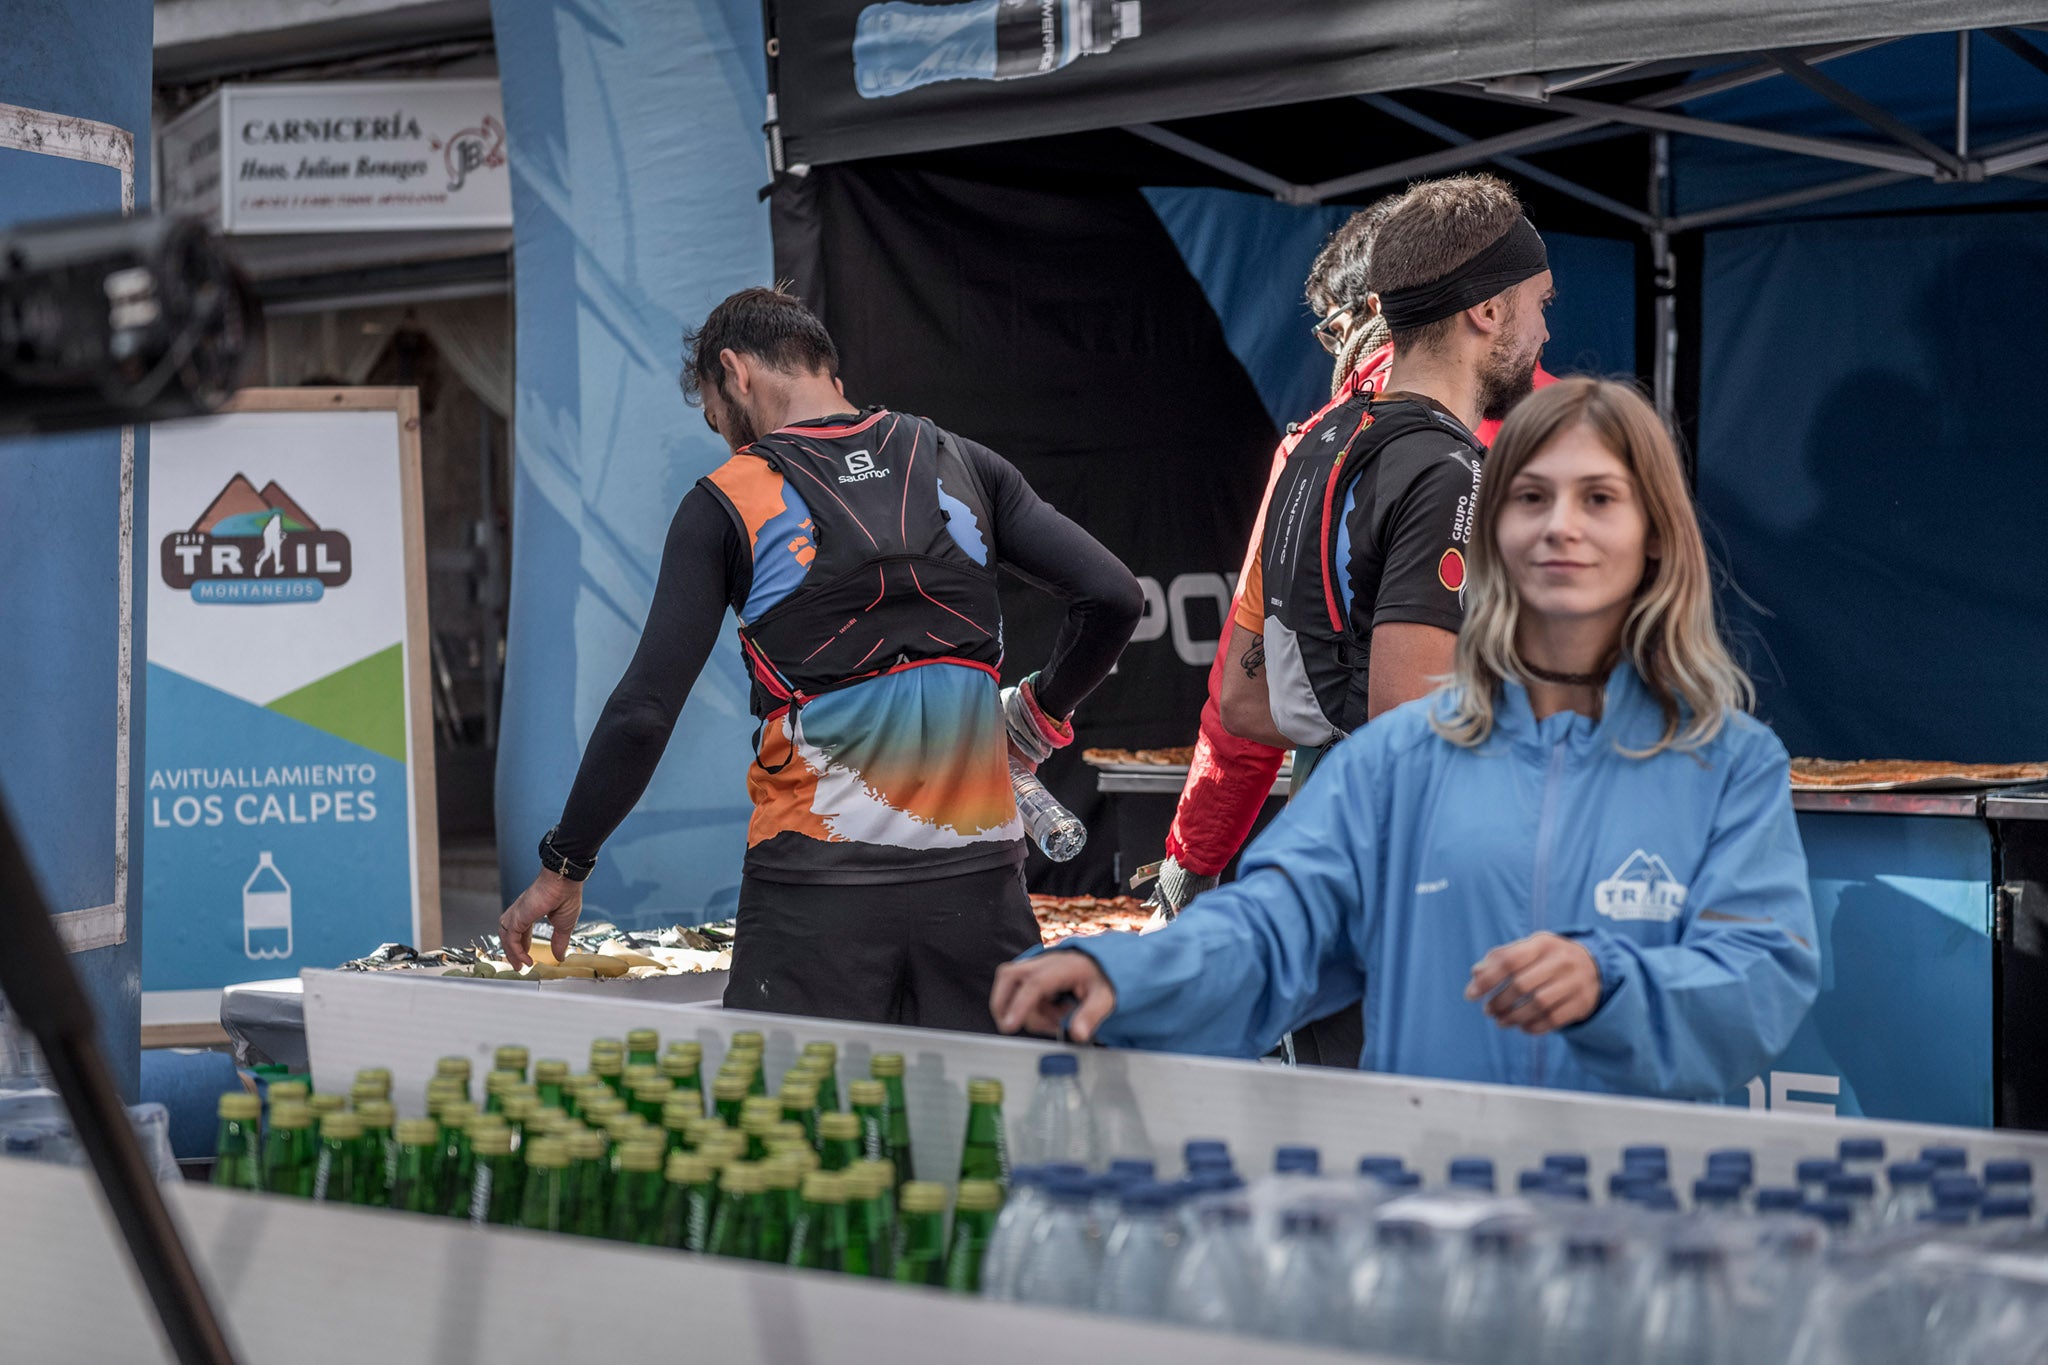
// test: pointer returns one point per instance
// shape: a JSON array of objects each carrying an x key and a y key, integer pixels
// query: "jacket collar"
[{"x": 1629, "y": 717}]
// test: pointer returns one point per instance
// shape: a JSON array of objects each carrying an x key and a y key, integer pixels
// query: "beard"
[
  {"x": 735, "y": 423},
  {"x": 1506, "y": 378}
]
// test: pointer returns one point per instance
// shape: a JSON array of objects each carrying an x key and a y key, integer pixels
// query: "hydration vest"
[
  {"x": 898, "y": 581},
  {"x": 1315, "y": 686}
]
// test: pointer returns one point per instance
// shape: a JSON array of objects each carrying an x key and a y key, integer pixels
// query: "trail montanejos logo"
[
  {"x": 1641, "y": 888},
  {"x": 255, "y": 546}
]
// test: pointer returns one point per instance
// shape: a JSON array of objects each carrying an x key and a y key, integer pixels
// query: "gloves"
[
  {"x": 1175, "y": 887},
  {"x": 1033, "y": 734}
]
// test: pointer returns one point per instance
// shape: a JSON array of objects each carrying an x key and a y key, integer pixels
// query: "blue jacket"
[{"x": 1407, "y": 858}]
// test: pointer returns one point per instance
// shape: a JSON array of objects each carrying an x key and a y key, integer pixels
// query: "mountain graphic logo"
[
  {"x": 1642, "y": 888},
  {"x": 253, "y": 546}
]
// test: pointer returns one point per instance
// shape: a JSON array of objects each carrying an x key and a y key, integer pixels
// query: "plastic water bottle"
[
  {"x": 1716, "y": 1194},
  {"x": 1485, "y": 1299},
  {"x": 1012, "y": 1226},
  {"x": 1394, "y": 1291},
  {"x": 1214, "y": 1283},
  {"x": 1299, "y": 1279},
  {"x": 1058, "y": 1264},
  {"x": 1053, "y": 828},
  {"x": 1957, "y": 1191},
  {"x": 1861, "y": 1156},
  {"x": 1859, "y": 1192},
  {"x": 1138, "y": 1259},
  {"x": 2008, "y": 1179},
  {"x": 1912, "y": 1192},
  {"x": 1575, "y": 1308},
  {"x": 1057, "y": 1124},
  {"x": 1686, "y": 1320},
  {"x": 1778, "y": 1201},
  {"x": 1813, "y": 1172},
  {"x": 898, "y": 46}
]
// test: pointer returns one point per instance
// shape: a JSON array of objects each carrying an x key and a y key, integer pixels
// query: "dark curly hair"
[{"x": 769, "y": 324}]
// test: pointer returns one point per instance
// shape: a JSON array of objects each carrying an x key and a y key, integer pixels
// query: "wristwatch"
[{"x": 561, "y": 863}]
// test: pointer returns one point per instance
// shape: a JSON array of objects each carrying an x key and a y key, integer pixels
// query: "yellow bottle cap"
[
  {"x": 641, "y": 1156},
  {"x": 452, "y": 1066},
  {"x": 867, "y": 1094},
  {"x": 458, "y": 1114},
  {"x": 598, "y": 1045},
  {"x": 418, "y": 1133},
  {"x": 839, "y": 1127},
  {"x": 367, "y": 1090},
  {"x": 511, "y": 1057},
  {"x": 887, "y": 1168},
  {"x": 290, "y": 1114},
  {"x": 866, "y": 1180},
  {"x": 687, "y": 1168},
  {"x": 680, "y": 1047},
  {"x": 781, "y": 1174},
  {"x": 641, "y": 1072},
  {"x": 729, "y": 1088},
  {"x": 380, "y": 1075},
  {"x": 499, "y": 1079},
  {"x": 884, "y": 1065},
  {"x": 801, "y": 1073},
  {"x": 241, "y": 1106},
  {"x": 747, "y": 1038},
  {"x": 978, "y": 1196},
  {"x": 377, "y": 1114},
  {"x": 761, "y": 1104},
  {"x": 607, "y": 1063},
  {"x": 341, "y": 1124},
  {"x": 803, "y": 1095},
  {"x": 551, "y": 1071},
  {"x": 549, "y": 1153},
  {"x": 289, "y": 1092},
  {"x": 604, "y": 1104},
  {"x": 491, "y": 1140},
  {"x": 824, "y": 1187},
  {"x": 620, "y": 1127},
  {"x": 923, "y": 1196},
  {"x": 758, "y": 1124},
  {"x": 682, "y": 1109},
  {"x": 982, "y": 1090},
  {"x": 798, "y": 1154},
  {"x": 324, "y": 1102},
  {"x": 676, "y": 1065},
  {"x": 587, "y": 1144},
  {"x": 828, "y": 1051},
  {"x": 655, "y": 1091},
  {"x": 642, "y": 1040}
]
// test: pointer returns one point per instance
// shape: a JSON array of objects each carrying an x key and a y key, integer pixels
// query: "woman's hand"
[
  {"x": 1537, "y": 984},
  {"x": 1038, "y": 994}
]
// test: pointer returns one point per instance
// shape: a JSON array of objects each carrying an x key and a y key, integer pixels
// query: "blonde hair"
[{"x": 1670, "y": 635}]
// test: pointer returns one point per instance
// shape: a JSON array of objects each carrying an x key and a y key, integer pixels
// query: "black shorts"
[{"x": 922, "y": 953}]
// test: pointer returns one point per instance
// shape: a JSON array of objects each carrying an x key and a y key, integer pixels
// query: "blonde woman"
[{"x": 1573, "y": 865}]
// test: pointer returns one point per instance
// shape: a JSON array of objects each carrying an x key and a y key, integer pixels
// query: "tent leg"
[
  {"x": 1963, "y": 97},
  {"x": 1664, "y": 267}
]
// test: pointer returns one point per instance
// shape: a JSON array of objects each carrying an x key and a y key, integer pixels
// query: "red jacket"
[{"x": 1230, "y": 778}]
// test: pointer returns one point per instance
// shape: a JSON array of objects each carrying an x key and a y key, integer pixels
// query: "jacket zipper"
[{"x": 1546, "y": 833}]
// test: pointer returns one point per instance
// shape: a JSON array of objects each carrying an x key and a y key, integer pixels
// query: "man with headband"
[{"x": 1362, "y": 557}]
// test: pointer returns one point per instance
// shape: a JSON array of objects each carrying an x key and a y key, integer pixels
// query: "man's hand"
[
  {"x": 1037, "y": 994},
  {"x": 1537, "y": 984},
  {"x": 553, "y": 898}
]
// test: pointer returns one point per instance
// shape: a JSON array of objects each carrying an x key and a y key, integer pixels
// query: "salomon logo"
[{"x": 860, "y": 465}]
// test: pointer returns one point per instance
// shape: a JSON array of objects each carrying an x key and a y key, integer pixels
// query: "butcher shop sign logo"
[
  {"x": 472, "y": 149},
  {"x": 1641, "y": 889},
  {"x": 255, "y": 546}
]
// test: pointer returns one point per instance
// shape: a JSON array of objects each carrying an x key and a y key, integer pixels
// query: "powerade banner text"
[{"x": 277, "y": 798}]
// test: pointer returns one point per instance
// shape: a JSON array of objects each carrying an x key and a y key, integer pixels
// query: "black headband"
[{"x": 1514, "y": 256}]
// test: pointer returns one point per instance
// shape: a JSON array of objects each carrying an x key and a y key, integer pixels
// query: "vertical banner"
[{"x": 288, "y": 790}]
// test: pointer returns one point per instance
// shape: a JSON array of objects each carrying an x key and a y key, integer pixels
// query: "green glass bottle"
[
  {"x": 544, "y": 1200},
  {"x": 610, "y": 1067},
  {"x": 441, "y": 1092},
  {"x": 323, "y": 1103},
  {"x": 683, "y": 1065},
  {"x": 643, "y": 1047},
  {"x": 758, "y": 1117},
  {"x": 689, "y": 1201},
  {"x": 817, "y": 1240},
  {"x": 870, "y": 1101},
  {"x": 454, "y": 1162},
  {"x": 919, "y": 1256},
  {"x": 454, "y": 1069},
  {"x": 974, "y": 1216},
  {"x": 518, "y": 1110},
  {"x": 379, "y": 1150},
  {"x": 374, "y": 1078},
  {"x": 497, "y": 1085},
  {"x": 782, "y": 1179},
  {"x": 877, "y": 1182},
  {"x": 637, "y": 1196},
  {"x": 601, "y": 1107},
  {"x": 549, "y": 1077},
  {"x": 590, "y": 1181},
  {"x": 649, "y": 1096},
  {"x": 413, "y": 1189},
  {"x": 735, "y": 1230},
  {"x": 678, "y": 1114},
  {"x": 728, "y": 1093},
  {"x": 289, "y": 1149},
  {"x": 860, "y": 1237},
  {"x": 887, "y": 1067},
  {"x": 237, "y": 1154},
  {"x": 336, "y": 1177},
  {"x": 823, "y": 1058},
  {"x": 511, "y": 1058},
  {"x": 800, "y": 1105},
  {"x": 495, "y": 1180},
  {"x": 839, "y": 1140},
  {"x": 986, "y": 1153}
]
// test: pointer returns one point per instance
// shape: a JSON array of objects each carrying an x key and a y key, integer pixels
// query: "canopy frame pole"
[
  {"x": 1963, "y": 97},
  {"x": 1833, "y": 91},
  {"x": 1286, "y": 191},
  {"x": 1395, "y": 109},
  {"x": 1770, "y": 203},
  {"x": 1664, "y": 279},
  {"x": 2019, "y": 47}
]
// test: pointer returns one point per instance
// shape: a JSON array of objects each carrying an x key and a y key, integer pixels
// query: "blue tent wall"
[
  {"x": 60, "y": 570},
  {"x": 636, "y": 147}
]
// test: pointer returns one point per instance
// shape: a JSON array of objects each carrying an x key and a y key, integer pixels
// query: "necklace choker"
[{"x": 1567, "y": 679}]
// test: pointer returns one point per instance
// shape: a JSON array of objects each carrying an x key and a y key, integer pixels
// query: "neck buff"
[{"x": 1514, "y": 256}]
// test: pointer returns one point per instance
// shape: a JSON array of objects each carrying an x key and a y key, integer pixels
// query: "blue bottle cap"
[
  {"x": 2009, "y": 1172},
  {"x": 1132, "y": 1166},
  {"x": 1069, "y": 1189},
  {"x": 1059, "y": 1064},
  {"x": 1473, "y": 1180},
  {"x": 1023, "y": 1176},
  {"x": 1851, "y": 1186},
  {"x": 1777, "y": 1200},
  {"x": 1830, "y": 1211},
  {"x": 1815, "y": 1169},
  {"x": 1953, "y": 1215},
  {"x": 1564, "y": 1187},
  {"x": 1961, "y": 1190},
  {"x": 1204, "y": 1147},
  {"x": 1571, "y": 1163},
  {"x": 1539, "y": 1181},
  {"x": 1376, "y": 1165},
  {"x": 1648, "y": 1152},
  {"x": 1210, "y": 1161},
  {"x": 1944, "y": 1157},
  {"x": 1213, "y": 1182},
  {"x": 1398, "y": 1182},
  {"x": 1072, "y": 1169},
  {"x": 1622, "y": 1181},
  {"x": 1473, "y": 1164},
  {"x": 1147, "y": 1194},
  {"x": 2007, "y": 1206},
  {"x": 1733, "y": 1157},
  {"x": 1910, "y": 1172},
  {"x": 1860, "y": 1149},
  {"x": 1299, "y": 1160},
  {"x": 1656, "y": 1198},
  {"x": 1715, "y": 1190}
]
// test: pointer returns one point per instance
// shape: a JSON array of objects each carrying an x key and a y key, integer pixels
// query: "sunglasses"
[{"x": 1327, "y": 332}]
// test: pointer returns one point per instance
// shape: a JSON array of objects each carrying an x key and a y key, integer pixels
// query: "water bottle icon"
[
  {"x": 266, "y": 912},
  {"x": 899, "y": 45}
]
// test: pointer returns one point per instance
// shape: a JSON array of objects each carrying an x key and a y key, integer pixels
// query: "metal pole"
[
  {"x": 1664, "y": 268},
  {"x": 1963, "y": 96}
]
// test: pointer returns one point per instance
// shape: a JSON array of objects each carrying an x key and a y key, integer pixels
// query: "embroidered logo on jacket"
[{"x": 1641, "y": 888}]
